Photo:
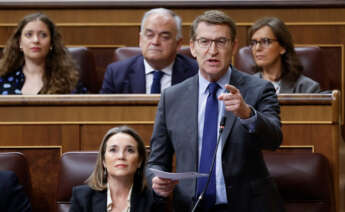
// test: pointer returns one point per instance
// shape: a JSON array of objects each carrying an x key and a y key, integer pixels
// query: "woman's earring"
[
  {"x": 51, "y": 48},
  {"x": 105, "y": 172}
]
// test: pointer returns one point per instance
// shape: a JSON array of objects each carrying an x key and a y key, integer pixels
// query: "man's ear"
[
  {"x": 192, "y": 48},
  {"x": 234, "y": 47}
]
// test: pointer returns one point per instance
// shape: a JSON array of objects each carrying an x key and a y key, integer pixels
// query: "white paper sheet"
[{"x": 177, "y": 176}]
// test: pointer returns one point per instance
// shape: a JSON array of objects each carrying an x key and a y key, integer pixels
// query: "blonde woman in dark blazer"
[{"x": 117, "y": 182}]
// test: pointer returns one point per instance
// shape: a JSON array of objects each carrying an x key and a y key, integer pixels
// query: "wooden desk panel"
[{"x": 79, "y": 122}]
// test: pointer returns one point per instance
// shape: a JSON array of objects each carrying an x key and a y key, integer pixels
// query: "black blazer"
[
  {"x": 12, "y": 195},
  {"x": 128, "y": 76},
  {"x": 86, "y": 199}
]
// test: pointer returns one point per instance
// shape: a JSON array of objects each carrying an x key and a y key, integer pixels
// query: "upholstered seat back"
[
  {"x": 311, "y": 58},
  {"x": 303, "y": 179},
  {"x": 86, "y": 63},
  {"x": 126, "y": 52},
  {"x": 16, "y": 162},
  {"x": 75, "y": 168}
]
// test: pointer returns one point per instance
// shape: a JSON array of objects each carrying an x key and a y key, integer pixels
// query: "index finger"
[{"x": 232, "y": 89}]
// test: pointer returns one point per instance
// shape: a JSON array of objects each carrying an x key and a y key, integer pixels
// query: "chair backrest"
[
  {"x": 303, "y": 179},
  {"x": 126, "y": 52},
  {"x": 16, "y": 162},
  {"x": 310, "y": 57},
  {"x": 86, "y": 63},
  {"x": 75, "y": 168}
]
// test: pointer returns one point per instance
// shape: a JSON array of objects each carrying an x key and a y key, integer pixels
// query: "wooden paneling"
[
  {"x": 43, "y": 166},
  {"x": 309, "y": 123},
  {"x": 92, "y": 135}
]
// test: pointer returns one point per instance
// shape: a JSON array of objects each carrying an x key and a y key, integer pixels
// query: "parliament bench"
[
  {"x": 302, "y": 178},
  {"x": 316, "y": 62},
  {"x": 17, "y": 163},
  {"x": 315, "y": 65}
]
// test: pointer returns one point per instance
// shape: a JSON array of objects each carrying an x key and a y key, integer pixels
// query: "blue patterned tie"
[
  {"x": 156, "y": 83},
  {"x": 209, "y": 142}
]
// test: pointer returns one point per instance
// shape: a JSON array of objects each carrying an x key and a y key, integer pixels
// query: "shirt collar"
[
  {"x": 167, "y": 70},
  {"x": 110, "y": 201},
  {"x": 225, "y": 79}
]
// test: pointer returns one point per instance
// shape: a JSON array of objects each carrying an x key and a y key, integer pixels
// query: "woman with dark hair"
[
  {"x": 35, "y": 60},
  {"x": 117, "y": 183},
  {"x": 275, "y": 57}
]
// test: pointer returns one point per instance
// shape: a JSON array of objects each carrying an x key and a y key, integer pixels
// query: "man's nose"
[
  {"x": 213, "y": 48},
  {"x": 156, "y": 39}
]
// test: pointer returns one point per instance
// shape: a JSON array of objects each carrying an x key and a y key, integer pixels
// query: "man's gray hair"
[
  {"x": 163, "y": 11},
  {"x": 214, "y": 17}
]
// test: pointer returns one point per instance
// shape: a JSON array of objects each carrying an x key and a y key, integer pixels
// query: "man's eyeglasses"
[
  {"x": 206, "y": 43},
  {"x": 264, "y": 42}
]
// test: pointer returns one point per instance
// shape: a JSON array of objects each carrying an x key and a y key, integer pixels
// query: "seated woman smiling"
[
  {"x": 117, "y": 183},
  {"x": 275, "y": 57},
  {"x": 36, "y": 62}
]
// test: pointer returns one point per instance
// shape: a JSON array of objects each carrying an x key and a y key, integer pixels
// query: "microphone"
[{"x": 221, "y": 128}]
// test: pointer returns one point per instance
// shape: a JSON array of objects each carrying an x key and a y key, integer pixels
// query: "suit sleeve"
[
  {"x": 161, "y": 147},
  {"x": 17, "y": 200},
  {"x": 267, "y": 127}
]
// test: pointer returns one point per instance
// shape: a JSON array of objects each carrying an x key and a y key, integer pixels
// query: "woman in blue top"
[{"x": 35, "y": 60}]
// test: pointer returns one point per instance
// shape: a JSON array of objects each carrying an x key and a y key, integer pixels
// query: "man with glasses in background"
[
  {"x": 221, "y": 104},
  {"x": 159, "y": 66}
]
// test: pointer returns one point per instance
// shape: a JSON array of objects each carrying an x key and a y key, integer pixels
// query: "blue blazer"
[
  {"x": 128, "y": 76},
  {"x": 12, "y": 195},
  {"x": 248, "y": 183}
]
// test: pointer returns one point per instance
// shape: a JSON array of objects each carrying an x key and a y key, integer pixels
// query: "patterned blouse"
[{"x": 13, "y": 83}]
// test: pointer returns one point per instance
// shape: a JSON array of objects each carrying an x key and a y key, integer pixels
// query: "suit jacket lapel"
[
  {"x": 136, "y": 76},
  {"x": 191, "y": 102},
  {"x": 286, "y": 86},
  {"x": 99, "y": 201}
]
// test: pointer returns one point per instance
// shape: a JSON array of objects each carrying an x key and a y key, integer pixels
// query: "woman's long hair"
[
  {"x": 61, "y": 73},
  {"x": 98, "y": 178}
]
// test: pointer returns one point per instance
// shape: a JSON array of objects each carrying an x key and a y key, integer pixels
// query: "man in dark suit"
[
  {"x": 159, "y": 66},
  {"x": 240, "y": 181},
  {"x": 12, "y": 195}
]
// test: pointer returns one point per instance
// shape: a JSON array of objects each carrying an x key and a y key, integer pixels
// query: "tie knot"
[
  {"x": 157, "y": 75},
  {"x": 212, "y": 88}
]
